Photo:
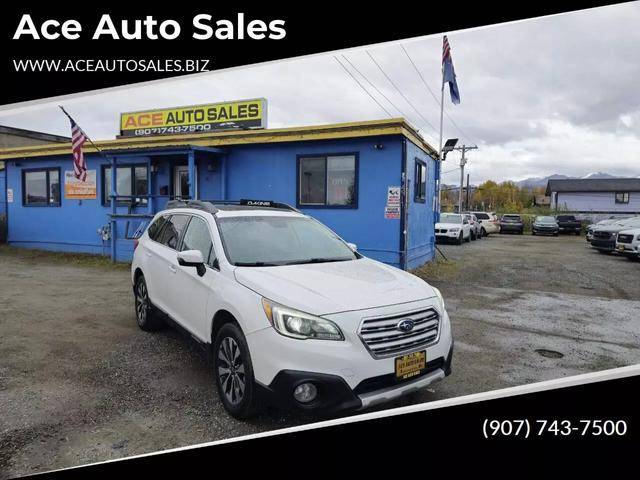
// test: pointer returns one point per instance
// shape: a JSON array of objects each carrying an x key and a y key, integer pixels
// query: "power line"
[
  {"x": 435, "y": 96},
  {"x": 362, "y": 86},
  {"x": 374, "y": 87},
  {"x": 400, "y": 92}
]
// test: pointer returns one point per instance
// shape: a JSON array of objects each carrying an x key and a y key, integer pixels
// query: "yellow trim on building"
[{"x": 392, "y": 126}]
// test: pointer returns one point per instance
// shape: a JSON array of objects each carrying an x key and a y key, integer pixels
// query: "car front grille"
[
  {"x": 601, "y": 235},
  {"x": 383, "y": 338},
  {"x": 441, "y": 230},
  {"x": 625, "y": 238}
]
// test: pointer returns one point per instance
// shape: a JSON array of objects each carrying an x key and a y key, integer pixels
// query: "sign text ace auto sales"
[{"x": 241, "y": 114}]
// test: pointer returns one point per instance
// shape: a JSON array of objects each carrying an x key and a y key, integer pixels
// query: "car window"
[
  {"x": 198, "y": 237},
  {"x": 482, "y": 216},
  {"x": 172, "y": 231},
  {"x": 156, "y": 227}
]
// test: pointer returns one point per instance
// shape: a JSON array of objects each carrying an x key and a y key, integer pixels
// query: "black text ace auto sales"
[{"x": 204, "y": 27}]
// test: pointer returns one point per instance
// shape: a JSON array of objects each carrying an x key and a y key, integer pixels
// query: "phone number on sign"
[{"x": 525, "y": 428}]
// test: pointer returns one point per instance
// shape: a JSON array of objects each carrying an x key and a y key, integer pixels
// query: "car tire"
[
  {"x": 233, "y": 372},
  {"x": 468, "y": 239},
  {"x": 483, "y": 233},
  {"x": 533, "y": 232},
  {"x": 147, "y": 316},
  {"x": 473, "y": 236},
  {"x": 460, "y": 239}
]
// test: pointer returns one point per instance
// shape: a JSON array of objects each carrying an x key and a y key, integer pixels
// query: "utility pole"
[
  {"x": 467, "y": 192},
  {"x": 463, "y": 161}
]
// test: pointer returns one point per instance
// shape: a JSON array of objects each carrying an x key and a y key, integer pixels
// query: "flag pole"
[{"x": 440, "y": 144}]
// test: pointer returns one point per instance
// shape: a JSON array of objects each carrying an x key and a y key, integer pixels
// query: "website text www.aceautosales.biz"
[{"x": 112, "y": 65}]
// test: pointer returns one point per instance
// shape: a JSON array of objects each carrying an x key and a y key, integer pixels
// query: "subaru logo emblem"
[{"x": 405, "y": 325}]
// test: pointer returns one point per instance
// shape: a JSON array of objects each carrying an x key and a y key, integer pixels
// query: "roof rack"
[
  {"x": 197, "y": 204},
  {"x": 210, "y": 205}
]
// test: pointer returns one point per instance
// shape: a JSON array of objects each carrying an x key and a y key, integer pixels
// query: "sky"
[{"x": 559, "y": 94}]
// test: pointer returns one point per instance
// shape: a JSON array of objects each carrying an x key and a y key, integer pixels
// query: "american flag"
[
  {"x": 448, "y": 73},
  {"x": 78, "y": 139}
]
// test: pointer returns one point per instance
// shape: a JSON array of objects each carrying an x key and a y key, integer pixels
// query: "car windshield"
[
  {"x": 566, "y": 218},
  {"x": 256, "y": 241},
  {"x": 450, "y": 218},
  {"x": 546, "y": 220},
  {"x": 481, "y": 216}
]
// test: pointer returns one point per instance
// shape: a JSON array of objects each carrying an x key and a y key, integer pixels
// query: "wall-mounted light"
[{"x": 378, "y": 146}]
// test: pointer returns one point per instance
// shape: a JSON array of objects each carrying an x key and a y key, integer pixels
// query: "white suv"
[
  {"x": 291, "y": 314},
  {"x": 489, "y": 222},
  {"x": 628, "y": 243}
]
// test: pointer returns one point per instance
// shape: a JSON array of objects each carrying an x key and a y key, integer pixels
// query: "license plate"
[{"x": 410, "y": 365}]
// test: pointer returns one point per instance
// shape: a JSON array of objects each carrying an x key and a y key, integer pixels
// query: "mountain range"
[{"x": 533, "y": 182}]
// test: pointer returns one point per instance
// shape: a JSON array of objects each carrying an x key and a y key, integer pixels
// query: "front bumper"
[
  {"x": 334, "y": 394},
  {"x": 346, "y": 373},
  {"x": 544, "y": 230},
  {"x": 607, "y": 245},
  {"x": 628, "y": 249},
  {"x": 449, "y": 235}
]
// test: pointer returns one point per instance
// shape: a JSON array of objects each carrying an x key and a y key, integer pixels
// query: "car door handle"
[{"x": 173, "y": 269}]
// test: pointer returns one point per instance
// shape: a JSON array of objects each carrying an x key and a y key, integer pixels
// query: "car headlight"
[
  {"x": 440, "y": 299},
  {"x": 295, "y": 324}
]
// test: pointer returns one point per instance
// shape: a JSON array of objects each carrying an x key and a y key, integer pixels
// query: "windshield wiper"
[
  {"x": 318, "y": 260},
  {"x": 256, "y": 264}
]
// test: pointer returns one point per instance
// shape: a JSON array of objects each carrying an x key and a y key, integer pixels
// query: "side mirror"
[
  {"x": 353, "y": 246},
  {"x": 192, "y": 258}
]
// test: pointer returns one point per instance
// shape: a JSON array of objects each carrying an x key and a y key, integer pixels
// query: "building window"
[
  {"x": 41, "y": 188},
  {"x": 131, "y": 180},
  {"x": 421, "y": 182},
  {"x": 328, "y": 181},
  {"x": 622, "y": 197}
]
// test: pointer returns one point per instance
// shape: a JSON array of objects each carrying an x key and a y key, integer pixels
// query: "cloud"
[{"x": 551, "y": 95}]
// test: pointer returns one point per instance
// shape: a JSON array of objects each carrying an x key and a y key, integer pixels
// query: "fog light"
[{"x": 305, "y": 392}]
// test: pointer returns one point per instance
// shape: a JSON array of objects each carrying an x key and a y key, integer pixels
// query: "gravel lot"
[{"x": 80, "y": 383}]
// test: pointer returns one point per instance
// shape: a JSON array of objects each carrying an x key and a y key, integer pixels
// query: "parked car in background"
[
  {"x": 569, "y": 224},
  {"x": 601, "y": 223},
  {"x": 476, "y": 228},
  {"x": 453, "y": 227},
  {"x": 545, "y": 225},
  {"x": 488, "y": 222},
  {"x": 628, "y": 243},
  {"x": 511, "y": 223},
  {"x": 604, "y": 237}
]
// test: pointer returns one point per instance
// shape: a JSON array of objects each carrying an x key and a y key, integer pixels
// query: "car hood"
[
  {"x": 612, "y": 228},
  {"x": 448, "y": 225},
  {"x": 333, "y": 287}
]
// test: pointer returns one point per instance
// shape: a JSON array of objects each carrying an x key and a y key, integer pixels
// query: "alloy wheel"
[
  {"x": 142, "y": 303},
  {"x": 231, "y": 373}
]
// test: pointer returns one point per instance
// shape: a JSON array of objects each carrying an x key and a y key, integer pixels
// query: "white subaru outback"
[{"x": 291, "y": 313}]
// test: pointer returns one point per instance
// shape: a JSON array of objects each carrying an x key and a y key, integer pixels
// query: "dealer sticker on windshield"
[{"x": 411, "y": 365}]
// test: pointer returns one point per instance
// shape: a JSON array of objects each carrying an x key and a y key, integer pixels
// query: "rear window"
[
  {"x": 511, "y": 217},
  {"x": 172, "y": 231},
  {"x": 482, "y": 216},
  {"x": 156, "y": 227}
]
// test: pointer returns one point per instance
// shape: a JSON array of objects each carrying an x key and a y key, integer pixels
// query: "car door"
[
  {"x": 163, "y": 263},
  {"x": 193, "y": 292}
]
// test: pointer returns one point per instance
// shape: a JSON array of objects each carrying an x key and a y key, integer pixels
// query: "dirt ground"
[{"x": 79, "y": 382}]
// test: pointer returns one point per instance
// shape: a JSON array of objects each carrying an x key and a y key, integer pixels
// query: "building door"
[{"x": 181, "y": 181}]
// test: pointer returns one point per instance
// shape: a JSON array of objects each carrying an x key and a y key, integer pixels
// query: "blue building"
[{"x": 373, "y": 182}]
